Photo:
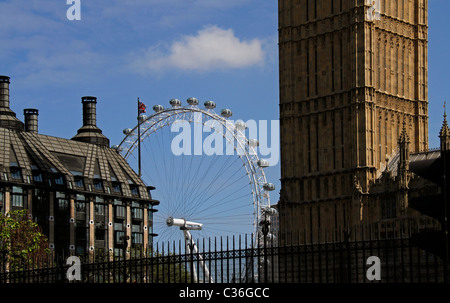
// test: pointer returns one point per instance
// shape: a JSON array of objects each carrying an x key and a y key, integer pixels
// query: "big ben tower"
[{"x": 353, "y": 73}]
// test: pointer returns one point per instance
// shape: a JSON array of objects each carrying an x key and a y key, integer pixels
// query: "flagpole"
[{"x": 139, "y": 139}]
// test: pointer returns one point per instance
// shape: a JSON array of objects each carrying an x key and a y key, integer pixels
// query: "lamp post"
[
  {"x": 265, "y": 223},
  {"x": 124, "y": 240}
]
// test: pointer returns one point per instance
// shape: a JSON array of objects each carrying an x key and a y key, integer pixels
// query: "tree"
[
  {"x": 21, "y": 239},
  {"x": 169, "y": 269}
]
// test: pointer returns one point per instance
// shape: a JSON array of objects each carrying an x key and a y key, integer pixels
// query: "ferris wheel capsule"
[
  {"x": 263, "y": 163},
  {"x": 269, "y": 186},
  {"x": 175, "y": 102},
  {"x": 158, "y": 108},
  {"x": 192, "y": 101},
  {"x": 210, "y": 104},
  {"x": 270, "y": 211},
  {"x": 240, "y": 125},
  {"x": 226, "y": 113},
  {"x": 142, "y": 118},
  {"x": 127, "y": 131},
  {"x": 253, "y": 142}
]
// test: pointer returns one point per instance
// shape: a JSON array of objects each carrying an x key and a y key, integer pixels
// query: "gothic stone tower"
[{"x": 351, "y": 73}]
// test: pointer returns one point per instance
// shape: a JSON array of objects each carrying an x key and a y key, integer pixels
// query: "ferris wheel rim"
[{"x": 256, "y": 174}]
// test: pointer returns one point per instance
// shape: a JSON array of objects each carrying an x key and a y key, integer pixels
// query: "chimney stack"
[
  {"x": 7, "y": 116},
  {"x": 4, "y": 92},
  {"x": 89, "y": 132},
  {"x": 89, "y": 111},
  {"x": 31, "y": 120}
]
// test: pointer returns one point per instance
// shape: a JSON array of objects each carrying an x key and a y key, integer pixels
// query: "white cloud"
[{"x": 212, "y": 48}]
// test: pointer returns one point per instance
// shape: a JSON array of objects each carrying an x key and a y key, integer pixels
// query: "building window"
[
  {"x": 136, "y": 211},
  {"x": 116, "y": 188},
  {"x": 100, "y": 232},
  {"x": 37, "y": 177},
  {"x": 59, "y": 180},
  {"x": 37, "y": 174},
  {"x": 98, "y": 185},
  {"x": 118, "y": 237},
  {"x": 388, "y": 208},
  {"x": 150, "y": 214},
  {"x": 16, "y": 174},
  {"x": 18, "y": 198},
  {"x": 134, "y": 190},
  {"x": 99, "y": 209},
  {"x": 62, "y": 202},
  {"x": 120, "y": 211},
  {"x": 81, "y": 236},
  {"x": 137, "y": 238},
  {"x": 79, "y": 182},
  {"x": 80, "y": 203}
]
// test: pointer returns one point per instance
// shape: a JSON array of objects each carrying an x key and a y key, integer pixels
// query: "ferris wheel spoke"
[
  {"x": 224, "y": 186},
  {"x": 226, "y": 200},
  {"x": 206, "y": 194}
]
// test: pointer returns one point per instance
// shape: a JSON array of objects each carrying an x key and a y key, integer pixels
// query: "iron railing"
[{"x": 234, "y": 260}]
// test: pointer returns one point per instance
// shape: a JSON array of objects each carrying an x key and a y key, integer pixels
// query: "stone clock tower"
[{"x": 353, "y": 75}]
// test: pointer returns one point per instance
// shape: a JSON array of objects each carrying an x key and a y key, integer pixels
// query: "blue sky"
[{"x": 157, "y": 50}]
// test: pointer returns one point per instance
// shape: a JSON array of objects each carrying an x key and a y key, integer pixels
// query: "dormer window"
[
  {"x": 98, "y": 185},
  {"x": 37, "y": 174},
  {"x": 37, "y": 177},
  {"x": 79, "y": 182},
  {"x": 16, "y": 173},
  {"x": 59, "y": 180},
  {"x": 116, "y": 187},
  {"x": 134, "y": 190}
]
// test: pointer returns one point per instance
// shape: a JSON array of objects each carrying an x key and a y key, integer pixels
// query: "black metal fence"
[{"x": 239, "y": 260}]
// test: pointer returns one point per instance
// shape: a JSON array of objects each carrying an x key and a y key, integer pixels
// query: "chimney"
[
  {"x": 7, "y": 116},
  {"x": 89, "y": 111},
  {"x": 89, "y": 132},
  {"x": 4, "y": 92},
  {"x": 31, "y": 120}
]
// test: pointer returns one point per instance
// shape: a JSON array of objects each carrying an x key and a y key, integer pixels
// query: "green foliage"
[
  {"x": 21, "y": 239},
  {"x": 167, "y": 269}
]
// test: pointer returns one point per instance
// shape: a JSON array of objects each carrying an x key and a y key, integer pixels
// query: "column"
[
  {"x": 128, "y": 227},
  {"x": 7, "y": 200},
  {"x": 51, "y": 219},
  {"x": 146, "y": 233},
  {"x": 72, "y": 225},
  {"x": 91, "y": 226},
  {"x": 111, "y": 229}
]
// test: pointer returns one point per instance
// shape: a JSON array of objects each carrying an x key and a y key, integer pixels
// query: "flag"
[{"x": 141, "y": 108}]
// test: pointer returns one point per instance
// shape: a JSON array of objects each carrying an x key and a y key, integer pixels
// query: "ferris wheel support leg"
[{"x": 191, "y": 248}]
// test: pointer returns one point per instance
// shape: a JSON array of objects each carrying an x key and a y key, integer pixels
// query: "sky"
[{"x": 225, "y": 51}]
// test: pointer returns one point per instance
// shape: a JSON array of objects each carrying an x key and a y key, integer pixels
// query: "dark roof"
[
  {"x": 415, "y": 159},
  {"x": 87, "y": 155},
  {"x": 31, "y": 151}
]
